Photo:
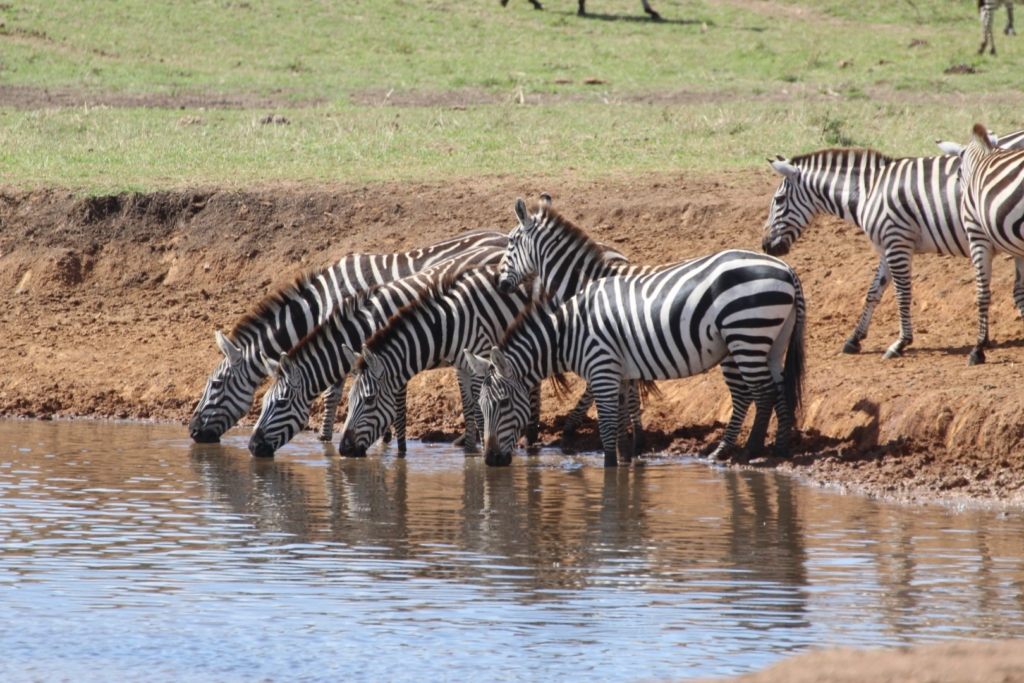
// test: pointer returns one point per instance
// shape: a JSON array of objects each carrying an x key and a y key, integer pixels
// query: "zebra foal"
[
  {"x": 993, "y": 214},
  {"x": 905, "y": 206},
  {"x": 280, "y": 320},
  {"x": 741, "y": 310}
]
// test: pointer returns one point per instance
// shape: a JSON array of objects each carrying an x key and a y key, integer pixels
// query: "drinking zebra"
[
  {"x": 993, "y": 215},
  {"x": 905, "y": 206},
  {"x": 582, "y": 11},
  {"x": 563, "y": 260},
  {"x": 464, "y": 311},
  {"x": 278, "y": 321},
  {"x": 986, "y": 12},
  {"x": 738, "y": 309}
]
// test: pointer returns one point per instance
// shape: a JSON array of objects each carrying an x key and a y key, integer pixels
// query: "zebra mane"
[
  {"x": 347, "y": 307},
  {"x": 429, "y": 293},
  {"x": 551, "y": 221},
  {"x": 858, "y": 154},
  {"x": 264, "y": 310}
]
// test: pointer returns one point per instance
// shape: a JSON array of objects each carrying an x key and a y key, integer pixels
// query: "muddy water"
[{"x": 128, "y": 553}]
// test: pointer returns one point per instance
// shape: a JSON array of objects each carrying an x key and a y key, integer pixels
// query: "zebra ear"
[
  {"x": 287, "y": 369},
  {"x": 980, "y": 134},
  {"x": 784, "y": 168},
  {"x": 476, "y": 364},
  {"x": 545, "y": 199},
  {"x": 499, "y": 362},
  {"x": 230, "y": 351},
  {"x": 372, "y": 362},
  {"x": 522, "y": 214},
  {"x": 351, "y": 357},
  {"x": 950, "y": 148},
  {"x": 271, "y": 366}
]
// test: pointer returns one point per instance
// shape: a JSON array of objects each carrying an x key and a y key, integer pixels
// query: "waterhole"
[{"x": 129, "y": 553}]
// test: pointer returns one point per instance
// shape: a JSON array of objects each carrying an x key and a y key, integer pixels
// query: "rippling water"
[{"x": 129, "y": 553}]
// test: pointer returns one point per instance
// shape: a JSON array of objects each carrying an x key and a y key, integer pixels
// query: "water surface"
[{"x": 129, "y": 553}]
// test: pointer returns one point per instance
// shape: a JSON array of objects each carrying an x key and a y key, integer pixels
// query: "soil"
[{"x": 111, "y": 304}]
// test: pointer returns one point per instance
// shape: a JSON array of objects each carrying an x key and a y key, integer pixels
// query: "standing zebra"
[
  {"x": 582, "y": 11},
  {"x": 993, "y": 215},
  {"x": 564, "y": 259},
  {"x": 905, "y": 206},
  {"x": 740, "y": 309},
  {"x": 278, "y": 321},
  {"x": 986, "y": 12},
  {"x": 317, "y": 363},
  {"x": 464, "y": 311}
]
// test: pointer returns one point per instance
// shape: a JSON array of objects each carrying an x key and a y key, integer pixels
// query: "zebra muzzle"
[
  {"x": 259, "y": 446},
  {"x": 349, "y": 448}
]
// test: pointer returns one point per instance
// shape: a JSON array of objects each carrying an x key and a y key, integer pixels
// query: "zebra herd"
[{"x": 508, "y": 311}]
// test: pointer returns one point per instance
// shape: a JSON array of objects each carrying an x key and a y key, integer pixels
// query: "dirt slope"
[{"x": 110, "y": 305}]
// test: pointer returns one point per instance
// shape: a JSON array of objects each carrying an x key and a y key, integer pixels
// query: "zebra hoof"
[
  {"x": 892, "y": 352},
  {"x": 977, "y": 357},
  {"x": 851, "y": 346},
  {"x": 723, "y": 453},
  {"x": 1009, "y": 31},
  {"x": 655, "y": 16},
  {"x": 326, "y": 437},
  {"x": 401, "y": 447}
]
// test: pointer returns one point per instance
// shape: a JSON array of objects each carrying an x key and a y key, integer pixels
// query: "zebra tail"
[
  {"x": 647, "y": 389},
  {"x": 794, "y": 370}
]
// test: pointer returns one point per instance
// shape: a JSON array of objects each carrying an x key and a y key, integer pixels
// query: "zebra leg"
[
  {"x": 986, "y": 28},
  {"x": 898, "y": 259},
  {"x": 765, "y": 398},
  {"x": 636, "y": 417},
  {"x": 1009, "y": 19},
  {"x": 1018, "y": 285},
  {"x": 606, "y": 396},
  {"x": 875, "y": 292},
  {"x": 981, "y": 256},
  {"x": 532, "y": 431},
  {"x": 786, "y": 422},
  {"x": 471, "y": 414},
  {"x": 647, "y": 8},
  {"x": 400, "y": 415},
  {"x": 575, "y": 418},
  {"x": 582, "y": 11},
  {"x": 332, "y": 397},
  {"x": 741, "y": 399},
  {"x": 622, "y": 441},
  {"x": 535, "y": 3}
]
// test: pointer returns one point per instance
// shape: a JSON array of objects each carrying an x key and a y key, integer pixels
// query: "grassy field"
[{"x": 486, "y": 89}]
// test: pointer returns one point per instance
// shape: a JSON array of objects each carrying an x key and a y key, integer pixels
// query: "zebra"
[
  {"x": 986, "y": 12},
  {"x": 464, "y": 311},
  {"x": 278, "y": 321},
  {"x": 993, "y": 214},
  {"x": 317, "y": 362},
  {"x": 582, "y": 11},
  {"x": 562, "y": 259},
  {"x": 738, "y": 309},
  {"x": 905, "y": 206}
]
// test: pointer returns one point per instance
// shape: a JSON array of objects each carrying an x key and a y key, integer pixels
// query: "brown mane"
[
  {"x": 858, "y": 153},
  {"x": 264, "y": 309},
  {"x": 433, "y": 291},
  {"x": 347, "y": 306},
  {"x": 550, "y": 220}
]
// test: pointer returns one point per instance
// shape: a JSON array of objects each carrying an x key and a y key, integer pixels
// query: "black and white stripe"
[
  {"x": 281, "y": 319},
  {"x": 993, "y": 215},
  {"x": 905, "y": 206},
  {"x": 738, "y": 309},
  {"x": 318, "y": 362},
  {"x": 467, "y": 311},
  {"x": 986, "y": 12}
]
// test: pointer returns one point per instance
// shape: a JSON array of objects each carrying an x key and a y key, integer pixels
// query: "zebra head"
[
  {"x": 519, "y": 259},
  {"x": 372, "y": 403},
  {"x": 285, "y": 408},
  {"x": 792, "y": 209},
  {"x": 505, "y": 403},
  {"x": 228, "y": 395}
]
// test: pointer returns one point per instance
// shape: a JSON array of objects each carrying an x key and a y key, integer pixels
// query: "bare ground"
[{"x": 111, "y": 304}]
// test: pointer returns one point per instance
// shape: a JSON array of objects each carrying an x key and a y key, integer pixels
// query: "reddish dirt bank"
[{"x": 110, "y": 307}]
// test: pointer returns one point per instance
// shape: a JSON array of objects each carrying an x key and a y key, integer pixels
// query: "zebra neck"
[
  {"x": 840, "y": 181},
  {"x": 569, "y": 263},
  {"x": 319, "y": 356},
  {"x": 533, "y": 345}
]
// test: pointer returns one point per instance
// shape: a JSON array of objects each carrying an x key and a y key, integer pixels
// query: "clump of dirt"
[{"x": 111, "y": 304}]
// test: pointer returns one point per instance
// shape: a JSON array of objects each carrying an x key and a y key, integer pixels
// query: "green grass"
[{"x": 832, "y": 73}]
